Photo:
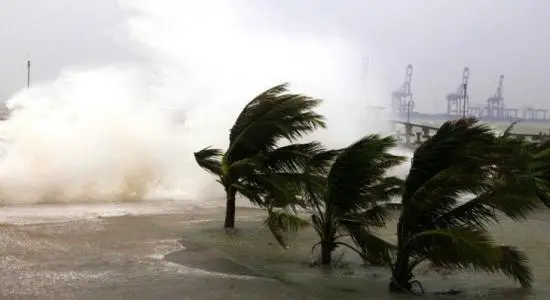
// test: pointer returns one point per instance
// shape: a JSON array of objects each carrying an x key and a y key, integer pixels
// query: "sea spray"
[{"x": 127, "y": 131}]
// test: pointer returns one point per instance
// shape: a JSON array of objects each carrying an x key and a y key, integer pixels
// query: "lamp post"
[
  {"x": 29, "y": 73},
  {"x": 465, "y": 89},
  {"x": 409, "y": 111}
]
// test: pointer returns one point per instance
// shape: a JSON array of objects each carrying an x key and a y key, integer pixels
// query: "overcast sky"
[{"x": 439, "y": 37}]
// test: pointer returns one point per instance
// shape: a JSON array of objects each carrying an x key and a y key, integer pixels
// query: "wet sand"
[
  {"x": 185, "y": 254},
  {"x": 122, "y": 257}
]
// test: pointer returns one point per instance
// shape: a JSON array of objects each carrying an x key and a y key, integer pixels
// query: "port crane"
[
  {"x": 402, "y": 102},
  {"x": 457, "y": 102}
]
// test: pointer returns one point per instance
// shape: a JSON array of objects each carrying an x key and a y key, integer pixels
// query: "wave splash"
[{"x": 126, "y": 132}]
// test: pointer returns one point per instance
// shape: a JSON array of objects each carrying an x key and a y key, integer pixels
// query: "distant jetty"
[{"x": 411, "y": 133}]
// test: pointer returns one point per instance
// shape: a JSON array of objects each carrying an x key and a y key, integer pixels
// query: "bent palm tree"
[
  {"x": 253, "y": 165},
  {"x": 462, "y": 158},
  {"x": 345, "y": 191},
  {"x": 531, "y": 159}
]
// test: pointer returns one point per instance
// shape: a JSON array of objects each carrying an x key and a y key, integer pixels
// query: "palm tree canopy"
[
  {"x": 358, "y": 177},
  {"x": 271, "y": 116},
  {"x": 465, "y": 159},
  {"x": 209, "y": 159},
  {"x": 347, "y": 189},
  {"x": 254, "y": 165}
]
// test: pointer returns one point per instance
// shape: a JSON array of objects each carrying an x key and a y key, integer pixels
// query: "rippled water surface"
[{"x": 134, "y": 251}]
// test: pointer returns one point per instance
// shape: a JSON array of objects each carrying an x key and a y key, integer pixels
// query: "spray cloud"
[{"x": 127, "y": 131}]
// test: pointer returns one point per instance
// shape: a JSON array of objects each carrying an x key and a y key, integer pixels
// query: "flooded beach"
[
  {"x": 165, "y": 250},
  {"x": 115, "y": 257}
]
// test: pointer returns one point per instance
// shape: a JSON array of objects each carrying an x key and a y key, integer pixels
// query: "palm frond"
[
  {"x": 458, "y": 160},
  {"x": 465, "y": 159},
  {"x": 375, "y": 216},
  {"x": 273, "y": 115},
  {"x": 291, "y": 158},
  {"x": 209, "y": 159},
  {"x": 484, "y": 208},
  {"x": 386, "y": 189},
  {"x": 441, "y": 193},
  {"x": 315, "y": 178},
  {"x": 373, "y": 249},
  {"x": 471, "y": 248},
  {"x": 277, "y": 190},
  {"x": 539, "y": 168},
  {"x": 255, "y": 194},
  {"x": 525, "y": 165},
  {"x": 281, "y": 222},
  {"x": 509, "y": 129},
  {"x": 320, "y": 162},
  {"x": 455, "y": 142},
  {"x": 515, "y": 264},
  {"x": 358, "y": 166},
  {"x": 456, "y": 248}
]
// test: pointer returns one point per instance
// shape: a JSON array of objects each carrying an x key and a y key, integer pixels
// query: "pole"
[
  {"x": 464, "y": 100},
  {"x": 29, "y": 73},
  {"x": 409, "y": 111}
]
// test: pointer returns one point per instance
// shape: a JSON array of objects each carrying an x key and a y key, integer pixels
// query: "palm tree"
[
  {"x": 464, "y": 159},
  {"x": 345, "y": 191},
  {"x": 254, "y": 166},
  {"x": 532, "y": 158}
]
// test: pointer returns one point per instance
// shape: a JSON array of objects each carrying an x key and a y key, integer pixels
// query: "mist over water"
[{"x": 127, "y": 131}]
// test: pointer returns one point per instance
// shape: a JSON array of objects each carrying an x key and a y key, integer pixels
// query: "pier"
[{"x": 410, "y": 134}]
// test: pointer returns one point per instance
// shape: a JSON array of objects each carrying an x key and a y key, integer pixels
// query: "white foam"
[{"x": 115, "y": 133}]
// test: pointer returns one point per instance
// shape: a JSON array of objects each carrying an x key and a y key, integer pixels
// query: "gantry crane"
[
  {"x": 495, "y": 104},
  {"x": 402, "y": 102},
  {"x": 457, "y": 102}
]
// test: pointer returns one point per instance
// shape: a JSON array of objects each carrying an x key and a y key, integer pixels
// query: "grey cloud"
[{"x": 438, "y": 37}]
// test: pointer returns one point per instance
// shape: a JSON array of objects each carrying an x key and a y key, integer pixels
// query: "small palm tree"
[
  {"x": 345, "y": 191},
  {"x": 254, "y": 166},
  {"x": 464, "y": 159}
]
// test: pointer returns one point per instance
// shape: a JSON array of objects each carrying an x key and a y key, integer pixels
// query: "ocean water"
[{"x": 153, "y": 250}]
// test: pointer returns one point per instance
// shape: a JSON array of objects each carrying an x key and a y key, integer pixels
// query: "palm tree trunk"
[
  {"x": 230, "y": 195},
  {"x": 326, "y": 253},
  {"x": 400, "y": 282},
  {"x": 401, "y": 274}
]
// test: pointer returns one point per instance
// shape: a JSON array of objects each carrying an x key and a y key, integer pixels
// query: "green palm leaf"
[
  {"x": 210, "y": 160},
  {"x": 386, "y": 189},
  {"x": 281, "y": 222},
  {"x": 343, "y": 189},
  {"x": 291, "y": 158},
  {"x": 371, "y": 247},
  {"x": 514, "y": 264},
  {"x": 471, "y": 248},
  {"x": 509, "y": 129},
  {"x": 357, "y": 167},
  {"x": 461, "y": 180},
  {"x": 271, "y": 116},
  {"x": 454, "y": 143},
  {"x": 484, "y": 209},
  {"x": 375, "y": 216},
  {"x": 254, "y": 165}
]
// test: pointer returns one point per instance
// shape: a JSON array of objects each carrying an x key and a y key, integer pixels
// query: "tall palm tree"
[
  {"x": 254, "y": 166},
  {"x": 464, "y": 159},
  {"x": 345, "y": 191}
]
